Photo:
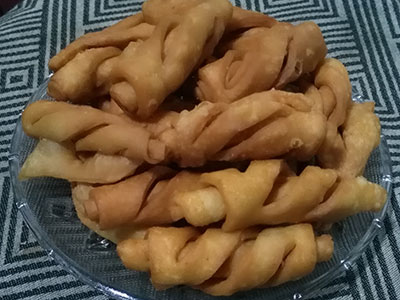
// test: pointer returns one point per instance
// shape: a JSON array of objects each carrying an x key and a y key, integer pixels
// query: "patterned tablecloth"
[{"x": 363, "y": 34}]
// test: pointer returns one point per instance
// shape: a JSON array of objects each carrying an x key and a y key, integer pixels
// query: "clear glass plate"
[{"x": 46, "y": 206}]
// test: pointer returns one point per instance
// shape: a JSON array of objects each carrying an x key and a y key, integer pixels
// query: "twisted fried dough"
[
  {"x": 266, "y": 193},
  {"x": 91, "y": 129},
  {"x": 331, "y": 87},
  {"x": 79, "y": 193},
  {"x": 360, "y": 135},
  {"x": 260, "y": 59},
  {"x": 82, "y": 69},
  {"x": 60, "y": 161},
  {"x": 221, "y": 263},
  {"x": 260, "y": 126},
  {"x": 148, "y": 72},
  {"x": 118, "y": 35}
]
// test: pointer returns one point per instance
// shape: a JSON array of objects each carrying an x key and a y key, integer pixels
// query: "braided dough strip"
[
  {"x": 79, "y": 194},
  {"x": 266, "y": 193},
  {"x": 91, "y": 129},
  {"x": 221, "y": 263},
  {"x": 260, "y": 59},
  {"x": 260, "y": 126},
  {"x": 83, "y": 68},
  {"x": 118, "y": 35},
  {"x": 149, "y": 71},
  {"x": 60, "y": 161}
]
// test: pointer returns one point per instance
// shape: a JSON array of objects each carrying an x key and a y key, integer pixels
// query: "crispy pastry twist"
[
  {"x": 149, "y": 71},
  {"x": 91, "y": 129},
  {"x": 60, "y": 161},
  {"x": 359, "y": 136},
  {"x": 266, "y": 193},
  {"x": 330, "y": 92},
  {"x": 118, "y": 35},
  {"x": 80, "y": 192},
  {"x": 260, "y": 59},
  {"x": 353, "y": 130},
  {"x": 221, "y": 263},
  {"x": 260, "y": 126},
  {"x": 82, "y": 69}
]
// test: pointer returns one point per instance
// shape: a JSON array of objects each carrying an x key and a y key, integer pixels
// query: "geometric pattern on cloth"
[{"x": 364, "y": 35}]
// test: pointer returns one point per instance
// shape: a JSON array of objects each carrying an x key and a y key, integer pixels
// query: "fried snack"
[
  {"x": 331, "y": 86},
  {"x": 221, "y": 263},
  {"x": 360, "y": 135},
  {"x": 349, "y": 197},
  {"x": 145, "y": 199},
  {"x": 261, "y": 59},
  {"x": 78, "y": 81},
  {"x": 267, "y": 193},
  {"x": 91, "y": 129},
  {"x": 149, "y": 71},
  {"x": 60, "y": 161},
  {"x": 80, "y": 192},
  {"x": 155, "y": 10},
  {"x": 260, "y": 126},
  {"x": 118, "y": 35},
  {"x": 83, "y": 68}
]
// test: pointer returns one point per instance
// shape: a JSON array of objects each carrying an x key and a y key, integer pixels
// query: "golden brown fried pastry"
[
  {"x": 91, "y": 129},
  {"x": 261, "y": 59},
  {"x": 145, "y": 198},
  {"x": 334, "y": 91},
  {"x": 77, "y": 81},
  {"x": 221, "y": 263},
  {"x": 360, "y": 135},
  {"x": 52, "y": 159},
  {"x": 267, "y": 193},
  {"x": 118, "y": 35},
  {"x": 348, "y": 197},
  {"x": 80, "y": 193},
  {"x": 83, "y": 68},
  {"x": 260, "y": 126},
  {"x": 147, "y": 72}
]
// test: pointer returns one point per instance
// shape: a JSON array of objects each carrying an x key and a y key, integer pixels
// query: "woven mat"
[{"x": 363, "y": 34}]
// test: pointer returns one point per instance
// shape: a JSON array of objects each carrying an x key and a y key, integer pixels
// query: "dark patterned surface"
[{"x": 364, "y": 35}]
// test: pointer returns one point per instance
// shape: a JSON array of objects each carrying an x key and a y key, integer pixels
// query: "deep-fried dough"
[
  {"x": 159, "y": 65},
  {"x": 60, "y": 161},
  {"x": 221, "y": 263},
  {"x": 91, "y": 129},
  {"x": 260, "y": 59},
  {"x": 267, "y": 193}
]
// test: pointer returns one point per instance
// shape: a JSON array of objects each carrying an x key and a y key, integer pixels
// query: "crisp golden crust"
[
  {"x": 51, "y": 159},
  {"x": 261, "y": 59},
  {"x": 267, "y": 193},
  {"x": 260, "y": 126},
  {"x": 221, "y": 263},
  {"x": 178, "y": 44},
  {"x": 360, "y": 135},
  {"x": 90, "y": 129},
  {"x": 119, "y": 35},
  {"x": 80, "y": 193}
]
